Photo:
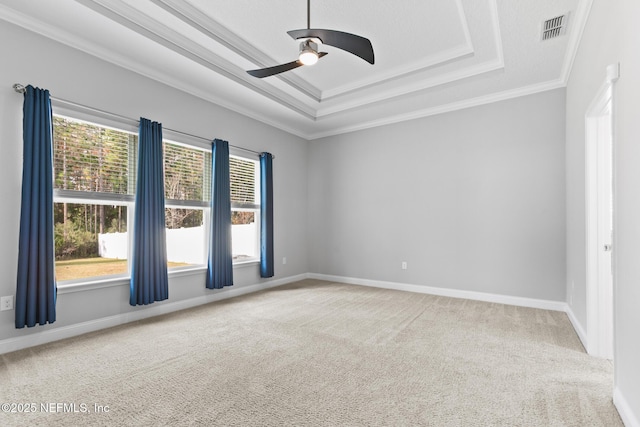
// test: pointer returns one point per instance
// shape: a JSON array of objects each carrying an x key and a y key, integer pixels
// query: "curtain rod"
[{"x": 21, "y": 89}]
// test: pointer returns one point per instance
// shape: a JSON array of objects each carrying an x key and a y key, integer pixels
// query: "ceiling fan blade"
[
  {"x": 271, "y": 71},
  {"x": 352, "y": 43}
]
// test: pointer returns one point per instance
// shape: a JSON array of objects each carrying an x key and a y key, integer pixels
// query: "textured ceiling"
[{"x": 431, "y": 55}]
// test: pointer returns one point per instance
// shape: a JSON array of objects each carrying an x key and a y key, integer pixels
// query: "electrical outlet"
[
  {"x": 284, "y": 260},
  {"x": 404, "y": 265},
  {"x": 6, "y": 303}
]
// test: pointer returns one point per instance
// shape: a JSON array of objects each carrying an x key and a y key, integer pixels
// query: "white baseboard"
[
  {"x": 577, "y": 326},
  {"x": 453, "y": 293},
  {"x": 17, "y": 343},
  {"x": 624, "y": 409},
  {"x": 43, "y": 337}
]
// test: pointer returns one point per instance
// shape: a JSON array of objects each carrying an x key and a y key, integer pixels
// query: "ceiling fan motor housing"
[
  {"x": 308, "y": 45},
  {"x": 308, "y": 52}
]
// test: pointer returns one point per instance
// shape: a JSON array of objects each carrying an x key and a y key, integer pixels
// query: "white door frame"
[{"x": 600, "y": 303}]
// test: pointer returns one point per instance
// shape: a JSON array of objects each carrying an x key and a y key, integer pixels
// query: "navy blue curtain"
[
  {"x": 149, "y": 280},
  {"x": 36, "y": 287},
  {"x": 220, "y": 264},
  {"x": 266, "y": 215}
]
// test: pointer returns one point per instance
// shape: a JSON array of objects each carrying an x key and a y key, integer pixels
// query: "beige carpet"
[{"x": 319, "y": 354}]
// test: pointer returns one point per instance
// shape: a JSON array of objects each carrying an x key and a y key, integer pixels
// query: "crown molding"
[
  {"x": 55, "y": 33},
  {"x": 398, "y": 73},
  {"x": 497, "y": 34},
  {"x": 457, "y": 52},
  {"x": 131, "y": 18},
  {"x": 400, "y": 91},
  {"x": 208, "y": 26},
  {"x": 580, "y": 18},
  {"x": 447, "y": 108},
  {"x": 213, "y": 29},
  {"x": 126, "y": 15},
  {"x": 497, "y": 63}
]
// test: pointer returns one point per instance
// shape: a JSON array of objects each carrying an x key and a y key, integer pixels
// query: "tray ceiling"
[{"x": 431, "y": 56}]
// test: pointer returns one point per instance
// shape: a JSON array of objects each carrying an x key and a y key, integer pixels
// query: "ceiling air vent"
[{"x": 554, "y": 27}]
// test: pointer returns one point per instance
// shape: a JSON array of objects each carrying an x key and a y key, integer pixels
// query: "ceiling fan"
[{"x": 309, "y": 54}]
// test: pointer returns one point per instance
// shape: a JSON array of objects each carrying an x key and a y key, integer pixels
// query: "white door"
[
  {"x": 605, "y": 233},
  {"x": 599, "y": 168}
]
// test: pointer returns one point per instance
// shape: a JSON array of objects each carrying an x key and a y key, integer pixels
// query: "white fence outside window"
[{"x": 185, "y": 245}]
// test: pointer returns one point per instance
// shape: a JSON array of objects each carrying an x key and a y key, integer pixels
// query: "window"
[
  {"x": 187, "y": 183},
  {"x": 94, "y": 194},
  {"x": 94, "y": 184},
  {"x": 245, "y": 208},
  {"x": 78, "y": 244}
]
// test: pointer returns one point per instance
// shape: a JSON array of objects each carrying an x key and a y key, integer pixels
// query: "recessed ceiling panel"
[{"x": 406, "y": 35}]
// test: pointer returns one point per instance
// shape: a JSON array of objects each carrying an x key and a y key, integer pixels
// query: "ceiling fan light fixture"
[
  {"x": 312, "y": 38},
  {"x": 308, "y": 52}
]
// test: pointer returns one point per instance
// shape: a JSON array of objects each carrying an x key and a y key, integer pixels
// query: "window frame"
[
  {"x": 203, "y": 205},
  {"x": 252, "y": 207},
  {"x": 97, "y": 198}
]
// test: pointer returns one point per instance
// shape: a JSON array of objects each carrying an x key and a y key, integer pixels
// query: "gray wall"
[
  {"x": 611, "y": 36},
  {"x": 472, "y": 200},
  {"x": 73, "y": 75}
]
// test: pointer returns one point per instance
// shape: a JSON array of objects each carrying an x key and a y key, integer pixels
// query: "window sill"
[
  {"x": 247, "y": 263},
  {"x": 91, "y": 284},
  {"x": 187, "y": 271}
]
